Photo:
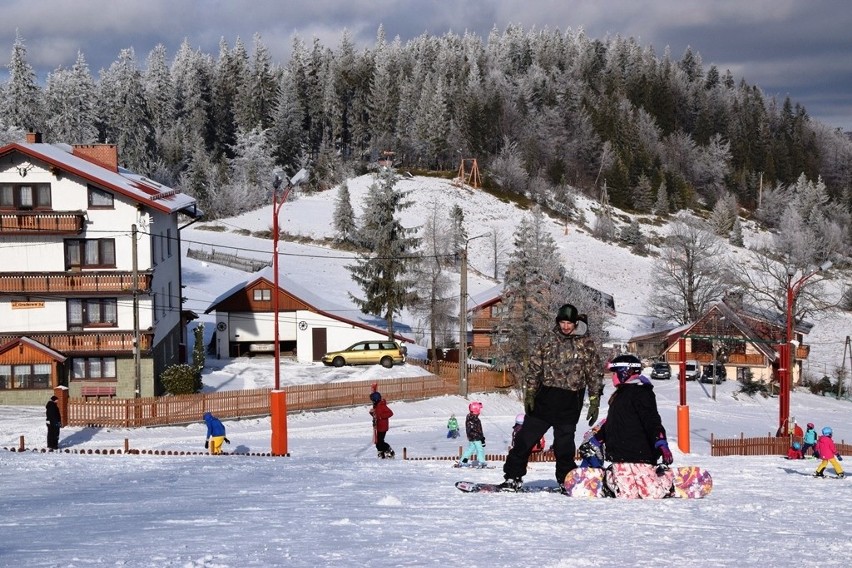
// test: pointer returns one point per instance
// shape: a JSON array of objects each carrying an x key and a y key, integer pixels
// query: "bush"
[
  {"x": 179, "y": 379},
  {"x": 751, "y": 387},
  {"x": 821, "y": 386}
]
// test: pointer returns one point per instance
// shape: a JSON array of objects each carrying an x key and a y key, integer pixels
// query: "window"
[
  {"x": 93, "y": 368},
  {"x": 169, "y": 243},
  {"x": 100, "y": 199},
  {"x": 29, "y": 196},
  {"x": 90, "y": 253},
  {"x": 262, "y": 295},
  {"x": 171, "y": 305},
  {"x": 94, "y": 312},
  {"x": 25, "y": 376}
]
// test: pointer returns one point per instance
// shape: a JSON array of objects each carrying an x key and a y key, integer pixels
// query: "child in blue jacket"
[{"x": 215, "y": 434}]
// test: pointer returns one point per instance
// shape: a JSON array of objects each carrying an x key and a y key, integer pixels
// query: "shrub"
[
  {"x": 179, "y": 379},
  {"x": 751, "y": 387}
]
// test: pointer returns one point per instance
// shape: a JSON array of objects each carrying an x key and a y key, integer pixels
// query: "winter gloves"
[
  {"x": 206, "y": 444},
  {"x": 663, "y": 447},
  {"x": 227, "y": 441},
  {"x": 594, "y": 408},
  {"x": 529, "y": 401}
]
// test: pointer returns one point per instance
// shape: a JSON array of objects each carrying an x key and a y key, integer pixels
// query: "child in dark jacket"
[
  {"x": 795, "y": 452},
  {"x": 473, "y": 428},
  {"x": 381, "y": 414}
]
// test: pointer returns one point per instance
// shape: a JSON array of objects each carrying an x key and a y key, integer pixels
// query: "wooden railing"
[
  {"x": 42, "y": 222},
  {"x": 77, "y": 342},
  {"x": 89, "y": 282},
  {"x": 184, "y": 409},
  {"x": 761, "y": 446}
]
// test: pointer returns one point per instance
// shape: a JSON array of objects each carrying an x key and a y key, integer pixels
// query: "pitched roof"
[{"x": 124, "y": 182}]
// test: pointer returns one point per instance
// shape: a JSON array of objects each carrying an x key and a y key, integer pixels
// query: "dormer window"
[
  {"x": 100, "y": 199},
  {"x": 25, "y": 196}
]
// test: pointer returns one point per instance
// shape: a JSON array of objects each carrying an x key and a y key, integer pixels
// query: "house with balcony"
[
  {"x": 90, "y": 273},
  {"x": 744, "y": 338}
]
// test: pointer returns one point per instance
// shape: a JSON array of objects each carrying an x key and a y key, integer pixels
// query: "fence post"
[
  {"x": 742, "y": 444},
  {"x": 21, "y": 444}
]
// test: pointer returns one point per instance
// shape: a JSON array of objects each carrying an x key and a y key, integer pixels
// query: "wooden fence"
[
  {"x": 185, "y": 409},
  {"x": 761, "y": 446}
]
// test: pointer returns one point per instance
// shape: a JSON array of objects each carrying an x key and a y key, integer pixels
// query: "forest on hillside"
[{"x": 544, "y": 112}]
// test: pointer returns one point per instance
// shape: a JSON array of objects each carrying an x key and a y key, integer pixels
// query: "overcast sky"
[{"x": 801, "y": 49}]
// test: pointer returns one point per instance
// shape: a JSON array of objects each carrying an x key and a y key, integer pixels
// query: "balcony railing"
[
  {"x": 88, "y": 282},
  {"x": 42, "y": 222},
  {"x": 85, "y": 342}
]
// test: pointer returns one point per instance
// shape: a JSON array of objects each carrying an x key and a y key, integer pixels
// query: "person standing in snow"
[
  {"x": 54, "y": 423},
  {"x": 810, "y": 439},
  {"x": 215, "y": 434},
  {"x": 452, "y": 427},
  {"x": 828, "y": 454},
  {"x": 475, "y": 436},
  {"x": 381, "y": 414},
  {"x": 562, "y": 369}
]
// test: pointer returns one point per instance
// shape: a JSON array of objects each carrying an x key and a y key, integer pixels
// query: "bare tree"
[{"x": 691, "y": 275}]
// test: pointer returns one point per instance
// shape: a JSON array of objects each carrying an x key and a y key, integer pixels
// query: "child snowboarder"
[
  {"x": 810, "y": 440},
  {"x": 794, "y": 452},
  {"x": 519, "y": 422},
  {"x": 452, "y": 427},
  {"x": 473, "y": 429},
  {"x": 828, "y": 454},
  {"x": 381, "y": 414},
  {"x": 215, "y": 434}
]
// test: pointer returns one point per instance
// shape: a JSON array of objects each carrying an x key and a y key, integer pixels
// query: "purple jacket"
[{"x": 825, "y": 448}]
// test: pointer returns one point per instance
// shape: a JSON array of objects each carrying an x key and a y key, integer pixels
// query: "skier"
[
  {"x": 828, "y": 454},
  {"x": 634, "y": 436},
  {"x": 381, "y": 414},
  {"x": 476, "y": 439},
  {"x": 810, "y": 440},
  {"x": 215, "y": 434},
  {"x": 561, "y": 370},
  {"x": 794, "y": 452},
  {"x": 54, "y": 423},
  {"x": 452, "y": 427}
]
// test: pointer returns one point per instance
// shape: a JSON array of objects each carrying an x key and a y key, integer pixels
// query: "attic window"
[
  {"x": 263, "y": 295},
  {"x": 100, "y": 199}
]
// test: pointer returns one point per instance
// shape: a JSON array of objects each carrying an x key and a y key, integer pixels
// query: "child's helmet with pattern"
[
  {"x": 519, "y": 419},
  {"x": 827, "y": 431},
  {"x": 625, "y": 366},
  {"x": 811, "y": 426},
  {"x": 475, "y": 407},
  {"x": 797, "y": 446}
]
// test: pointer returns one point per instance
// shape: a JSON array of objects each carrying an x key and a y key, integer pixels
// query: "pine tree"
[
  {"x": 344, "y": 215},
  {"x": 736, "y": 236},
  {"x": 661, "y": 206},
  {"x": 383, "y": 274},
  {"x": 70, "y": 100},
  {"x": 22, "y": 98},
  {"x": 643, "y": 195}
]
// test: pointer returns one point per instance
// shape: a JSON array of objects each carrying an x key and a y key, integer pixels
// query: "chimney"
[
  {"x": 33, "y": 137},
  {"x": 104, "y": 155}
]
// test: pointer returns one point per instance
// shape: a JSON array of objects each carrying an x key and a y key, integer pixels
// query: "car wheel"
[
  {"x": 386, "y": 362},
  {"x": 338, "y": 361}
]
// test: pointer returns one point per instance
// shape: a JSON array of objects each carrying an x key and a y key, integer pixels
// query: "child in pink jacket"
[{"x": 828, "y": 453}]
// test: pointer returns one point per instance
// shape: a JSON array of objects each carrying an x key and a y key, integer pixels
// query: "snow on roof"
[{"x": 131, "y": 185}]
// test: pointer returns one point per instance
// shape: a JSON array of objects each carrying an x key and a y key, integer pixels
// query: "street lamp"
[
  {"x": 463, "y": 318},
  {"x": 295, "y": 181},
  {"x": 785, "y": 351}
]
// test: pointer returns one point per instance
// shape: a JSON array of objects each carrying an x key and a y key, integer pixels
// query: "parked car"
[
  {"x": 661, "y": 370},
  {"x": 708, "y": 375},
  {"x": 693, "y": 370},
  {"x": 385, "y": 353}
]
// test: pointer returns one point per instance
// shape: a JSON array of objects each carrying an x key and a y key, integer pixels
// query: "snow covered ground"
[{"x": 333, "y": 503}]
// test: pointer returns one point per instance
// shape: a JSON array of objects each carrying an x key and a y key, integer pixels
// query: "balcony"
[
  {"x": 480, "y": 323},
  {"x": 42, "y": 222},
  {"x": 77, "y": 283},
  {"x": 86, "y": 343}
]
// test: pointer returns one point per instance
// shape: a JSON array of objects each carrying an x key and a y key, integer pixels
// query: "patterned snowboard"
[
  {"x": 688, "y": 482},
  {"x": 474, "y": 487}
]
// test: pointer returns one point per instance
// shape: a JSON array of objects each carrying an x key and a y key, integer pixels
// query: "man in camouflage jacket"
[{"x": 566, "y": 364}]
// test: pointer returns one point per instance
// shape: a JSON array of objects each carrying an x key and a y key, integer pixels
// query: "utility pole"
[
  {"x": 463, "y": 318},
  {"x": 137, "y": 362}
]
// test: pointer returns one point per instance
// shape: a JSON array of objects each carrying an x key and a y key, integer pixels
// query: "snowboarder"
[
  {"x": 54, "y": 423},
  {"x": 794, "y": 452},
  {"x": 828, "y": 454},
  {"x": 560, "y": 371},
  {"x": 476, "y": 439},
  {"x": 381, "y": 414},
  {"x": 452, "y": 427},
  {"x": 215, "y": 434},
  {"x": 810, "y": 440}
]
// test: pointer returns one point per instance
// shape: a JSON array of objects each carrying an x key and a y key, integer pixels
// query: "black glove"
[
  {"x": 227, "y": 441},
  {"x": 483, "y": 441},
  {"x": 529, "y": 401},
  {"x": 206, "y": 444},
  {"x": 594, "y": 408}
]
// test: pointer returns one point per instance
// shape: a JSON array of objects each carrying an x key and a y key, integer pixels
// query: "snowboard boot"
[
  {"x": 841, "y": 475},
  {"x": 511, "y": 484},
  {"x": 819, "y": 474}
]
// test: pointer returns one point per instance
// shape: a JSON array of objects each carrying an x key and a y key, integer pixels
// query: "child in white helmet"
[
  {"x": 473, "y": 428},
  {"x": 519, "y": 423},
  {"x": 828, "y": 454}
]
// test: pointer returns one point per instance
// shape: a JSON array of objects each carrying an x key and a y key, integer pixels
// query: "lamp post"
[
  {"x": 463, "y": 318},
  {"x": 785, "y": 351}
]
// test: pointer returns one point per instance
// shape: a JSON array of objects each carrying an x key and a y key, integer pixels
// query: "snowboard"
[
  {"x": 475, "y": 465},
  {"x": 474, "y": 487},
  {"x": 685, "y": 482}
]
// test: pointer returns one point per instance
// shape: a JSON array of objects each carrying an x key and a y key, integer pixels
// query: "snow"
[{"x": 332, "y": 502}]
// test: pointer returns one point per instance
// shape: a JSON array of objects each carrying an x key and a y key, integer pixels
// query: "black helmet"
[
  {"x": 567, "y": 313},
  {"x": 625, "y": 366}
]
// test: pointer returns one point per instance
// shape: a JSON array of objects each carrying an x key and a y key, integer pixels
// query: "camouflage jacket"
[{"x": 567, "y": 362}]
